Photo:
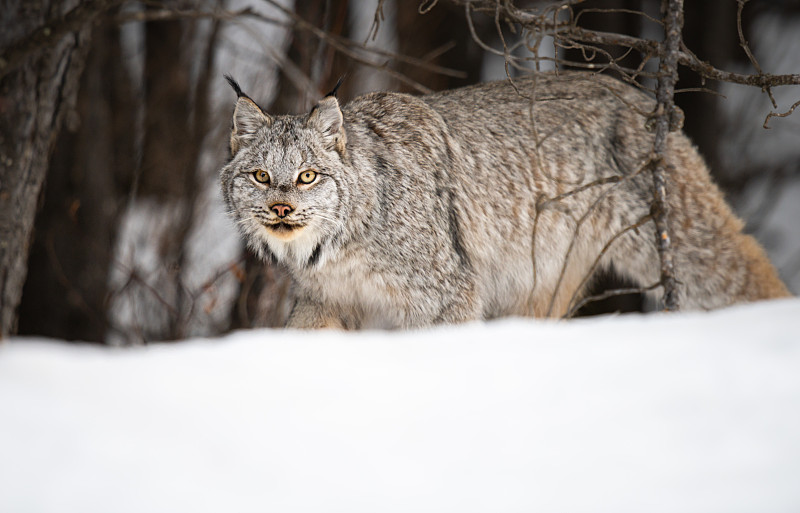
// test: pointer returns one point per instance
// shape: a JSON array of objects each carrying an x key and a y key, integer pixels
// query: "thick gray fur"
[{"x": 438, "y": 209}]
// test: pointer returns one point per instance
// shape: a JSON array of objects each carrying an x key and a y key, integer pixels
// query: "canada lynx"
[{"x": 492, "y": 200}]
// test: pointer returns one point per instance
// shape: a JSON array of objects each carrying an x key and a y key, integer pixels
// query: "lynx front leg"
[{"x": 308, "y": 314}]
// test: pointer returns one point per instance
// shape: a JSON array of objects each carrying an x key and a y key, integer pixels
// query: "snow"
[{"x": 695, "y": 412}]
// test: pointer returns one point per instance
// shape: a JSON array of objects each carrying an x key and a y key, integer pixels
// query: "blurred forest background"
[{"x": 123, "y": 106}]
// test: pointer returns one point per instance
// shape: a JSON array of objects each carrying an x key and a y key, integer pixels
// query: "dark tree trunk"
[
  {"x": 166, "y": 177},
  {"x": 164, "y": 173},
  {"x": 167, "y": 184},
  {"x": 718, "y": 44},
  {"x": 35, "y": 98},
  {"x": 88, "y": 181},
  {"x": 444, "y": 25},
  {"x": 315, "y": 59}
]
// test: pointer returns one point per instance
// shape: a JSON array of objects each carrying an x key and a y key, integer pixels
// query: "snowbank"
[{"x": 675, "y": 413}]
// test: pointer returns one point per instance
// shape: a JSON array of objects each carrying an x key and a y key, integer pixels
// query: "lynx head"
[{"x": 284, "y": 181}]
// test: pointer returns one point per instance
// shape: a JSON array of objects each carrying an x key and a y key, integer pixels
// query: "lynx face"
[{"x": 282, "y": 184}]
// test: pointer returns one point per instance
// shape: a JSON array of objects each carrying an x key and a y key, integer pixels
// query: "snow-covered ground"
[{"x": 675, "y": 413}]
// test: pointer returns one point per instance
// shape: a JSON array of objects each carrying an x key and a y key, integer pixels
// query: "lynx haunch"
[{"x": 493, "y": 200}]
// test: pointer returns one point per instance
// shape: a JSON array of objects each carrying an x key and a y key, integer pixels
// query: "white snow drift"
[{"x": 691, "y": 413}]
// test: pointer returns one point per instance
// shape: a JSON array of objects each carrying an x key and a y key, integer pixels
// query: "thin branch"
[
  {"x": 571, "y": 307},
  {"x": 544, "y": 22},
  {"x": 187, "y": 14},
  {"x": 611, "y": 293},
  {"x": 780, "y": 115},
  {"x": 616, "y": 11},
  {"x": 345, "y": 46},
  {"x": 687, "y": 58},
  {"x": 746, "y": 47},
  {"x": 378, "y": 18},
  {"x": 544, "y": 203},
  {"x": 51, "y": 33},
  {"x": 579, "y": 224},
  {"x": 665, "y": 96}
]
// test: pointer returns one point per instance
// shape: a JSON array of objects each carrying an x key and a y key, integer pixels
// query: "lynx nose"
[{"x": 281, "y": 209}]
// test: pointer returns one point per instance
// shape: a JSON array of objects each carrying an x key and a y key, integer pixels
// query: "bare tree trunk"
[
  {"x": 151, "y": 298},
  {"x": 167, "y": 184},
  {"x": 88, "y": 181},
  {"x": 424, "y": 35},
  {"x": 717, "y": 43},
  {"x": 312, "y": 57},
  {"x": 35, "y": 98}
]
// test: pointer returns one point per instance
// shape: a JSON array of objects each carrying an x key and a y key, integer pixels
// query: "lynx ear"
[
  {"x": 326, "y": 118},
  {"x": 247, "y": 119}
]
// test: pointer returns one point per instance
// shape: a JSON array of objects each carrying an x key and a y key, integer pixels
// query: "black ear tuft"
[
  {"x": 235, "y": 86},
  {"x": 337, "y": 86},
  {"x": 248, "y": 118}
]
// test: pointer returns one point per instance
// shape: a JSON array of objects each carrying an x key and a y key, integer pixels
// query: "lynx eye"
[
  {"x": 261, "y": 176},
  {"x": 307, "y": 176}
]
